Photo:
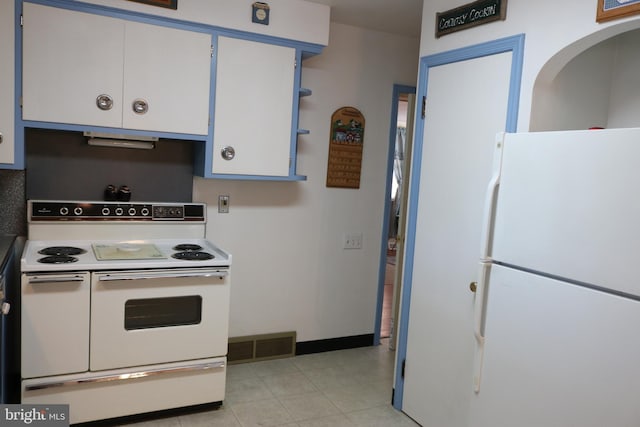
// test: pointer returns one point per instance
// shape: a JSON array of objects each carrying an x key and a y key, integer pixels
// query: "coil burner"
[
  {"x": 58, "y": 259},
  {"x": 193, "y": 256},
  {"x": 183, "y": 247},
  {"x": 61, "y": 251}
]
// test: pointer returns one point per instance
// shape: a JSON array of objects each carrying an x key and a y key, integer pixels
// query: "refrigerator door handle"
[
  {"x": 490, "y": 200},
  {"x": 479, "y": 313}
]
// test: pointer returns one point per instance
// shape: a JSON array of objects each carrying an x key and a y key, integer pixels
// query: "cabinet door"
[
  {"x": 69, "y": 59},
  {"x": 7, "y": 82},
  {"x": 253, "y": 107},
  {"x": 55, "y": 324},
  {"x": 170, "y": 70}
]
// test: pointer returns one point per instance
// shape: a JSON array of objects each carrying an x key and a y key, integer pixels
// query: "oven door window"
[{"x": 162, "y": 312}]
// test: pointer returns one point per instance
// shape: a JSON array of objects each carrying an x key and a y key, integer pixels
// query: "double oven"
[{"x": 125, "y": 308}]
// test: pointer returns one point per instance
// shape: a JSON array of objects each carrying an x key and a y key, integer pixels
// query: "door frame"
[
  {"x": 513, "y": 44},
  {"x": 397, "y": 90}
]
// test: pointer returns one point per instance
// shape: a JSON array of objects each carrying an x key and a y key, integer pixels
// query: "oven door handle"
[
  {"x": 126, "y": 376},
  {"x": 55, "y": 279},
  {"x": 107, "y": 277}
]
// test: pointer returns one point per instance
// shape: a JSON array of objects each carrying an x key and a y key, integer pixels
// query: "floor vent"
[{"x": 261, "y": 347}]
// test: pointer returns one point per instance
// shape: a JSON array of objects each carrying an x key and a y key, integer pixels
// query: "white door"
[
  {"x": 456, "y": 167},
  {"x": 158, "y": 316},
  {"x": 54, "y": 324},
  {"x": 7, "y": 82},
  {"x": 557, "y": 355},
  {"x": 253, "y": 107},
  {"x": 70, "y": 58},
  {"x": 170, "y": 69}
]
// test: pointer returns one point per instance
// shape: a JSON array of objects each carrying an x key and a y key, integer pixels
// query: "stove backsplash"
[
  {"x": 62, "y": 166},
  {"x": 13, "y": 214}
]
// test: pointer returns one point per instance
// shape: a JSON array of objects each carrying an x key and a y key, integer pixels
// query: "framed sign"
[
  {"x": 169, "y": 4},
  {"x": 614, "y": 9},
  {"x": 470, "y": 15},
  {"x": 346, "y": 141}
]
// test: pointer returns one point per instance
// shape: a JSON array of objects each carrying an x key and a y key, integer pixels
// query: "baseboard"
[{"x": 331, "y": 344}]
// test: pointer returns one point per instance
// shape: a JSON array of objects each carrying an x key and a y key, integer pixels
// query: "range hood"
[{"x": 101, "y": 139}]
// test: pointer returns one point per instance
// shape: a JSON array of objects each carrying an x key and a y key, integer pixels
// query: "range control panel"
[{"x": 44, "y": 210}]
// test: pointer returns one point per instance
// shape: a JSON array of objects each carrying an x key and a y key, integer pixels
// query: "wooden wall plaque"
[
  {"x": 346, "y": 142},
  {"x": 613, "y": 9}
]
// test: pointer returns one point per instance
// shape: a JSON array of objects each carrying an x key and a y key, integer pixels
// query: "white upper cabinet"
[
  {"x": 68, "y": 60},
  {"x": 170, "y": 70},
  {"x": 254, "y": 99},
  {"x": 86, "y": 69},
  {"x": 7, "y": 98}
]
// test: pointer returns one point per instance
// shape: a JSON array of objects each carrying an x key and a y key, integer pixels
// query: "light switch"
[{"x": 223, "y": 204}]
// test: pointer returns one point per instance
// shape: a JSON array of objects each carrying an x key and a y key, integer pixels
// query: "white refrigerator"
[{"x": 557, "y": 309}]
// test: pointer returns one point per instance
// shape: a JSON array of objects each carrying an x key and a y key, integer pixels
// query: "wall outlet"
[
  {"x": 352, "y": 241},
  {"x": 223, "y": 204}
]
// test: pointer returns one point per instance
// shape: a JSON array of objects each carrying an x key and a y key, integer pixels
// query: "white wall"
[
  {"x": 624, "y": 104},
  {"x": 289, "y": 269},
  {"x": 550, "y": 26},
  {"x": 599, "y": 87},
  {"x": 578, "y": 98},
  {"x": 291, "y": 19}
]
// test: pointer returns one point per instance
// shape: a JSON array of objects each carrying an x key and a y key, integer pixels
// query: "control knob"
[
  {"x": 77, "y": 210},
  {"x": 64, "y": 210},
  {"x": 119, "y": 211},
  {"x": 132, "y": 211},
  {"x": 106, "y": 211}
]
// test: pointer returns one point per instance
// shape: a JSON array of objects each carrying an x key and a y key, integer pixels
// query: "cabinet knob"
[
  {"x": 228, "y": 153},
  {"x": 5, "y": 308},
  {"x": 473, "y": 287},
  {"x": 140, "y": 106},
  {"x": 104, "y": 102}
]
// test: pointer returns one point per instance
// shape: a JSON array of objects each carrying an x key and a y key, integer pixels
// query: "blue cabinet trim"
[
  {"x": 258, "y": 177},
  {"x": 82, "y": 128}
]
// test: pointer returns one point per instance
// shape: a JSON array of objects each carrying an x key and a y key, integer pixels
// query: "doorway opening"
[{"x": 391, "y": 253}]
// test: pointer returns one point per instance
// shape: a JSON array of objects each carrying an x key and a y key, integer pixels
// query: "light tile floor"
[{"x": 333, "y": 389}]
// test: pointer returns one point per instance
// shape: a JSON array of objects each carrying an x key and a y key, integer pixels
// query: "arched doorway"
[{"x": 592, "y": 82}]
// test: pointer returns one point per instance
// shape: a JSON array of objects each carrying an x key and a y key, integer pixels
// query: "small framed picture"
[
  {"x": 614, "y": 9},
  {"x": 169, "y": 4}
]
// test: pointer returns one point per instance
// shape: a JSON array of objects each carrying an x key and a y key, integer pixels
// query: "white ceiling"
[{"x": 392, "y": 16}]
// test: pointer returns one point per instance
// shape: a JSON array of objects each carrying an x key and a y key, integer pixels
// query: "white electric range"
[
  {"x": 125, "y": 308},
  {"x": 103, "y": 254}
]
